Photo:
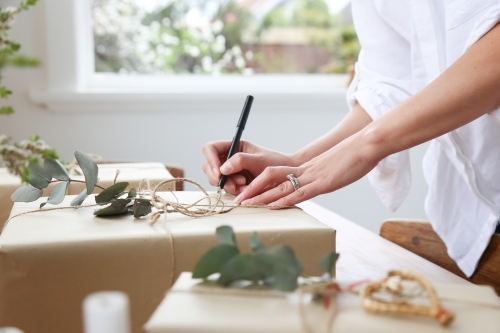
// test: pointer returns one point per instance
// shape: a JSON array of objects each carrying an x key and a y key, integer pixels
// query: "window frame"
[{"x": 72, "y": 86}]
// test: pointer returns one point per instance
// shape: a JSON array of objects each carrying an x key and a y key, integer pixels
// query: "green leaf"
[
  {"x": 6, "y": 110},
  {"x": 50, "y": 154},
  {"x": 38, "y": 177},
  {"x": 43, "y": 204},
  {"x": 26, "y": 193},
  {"x": 142, "y": 207},
  {"x": 225, "y": 234},
  {"x": 327, "y": 263},
  {"x": 55, "y": 169},
  {"x": 118, "y": 207},
  {"x": 280, "y": 265},
  {"x": 90, "y": 170},
  {"x": 132, "y": 193},
  {"x": 57, "y": 194},
  {"x": 213, "y": 260},
  {"x": 4, "y": 92},
  {"x": 80, "y": 198},
  {"x": 111, "y": 193},
  {"x": 241, "y": 267},
  {"x": 255, "y": 243}
]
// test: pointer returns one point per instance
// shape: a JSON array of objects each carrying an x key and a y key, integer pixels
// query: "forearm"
[
  {"x": 352, "y": 123},
  {"x": 465, "y": 91}
]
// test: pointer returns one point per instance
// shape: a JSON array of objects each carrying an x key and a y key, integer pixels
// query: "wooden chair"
[
  {"x": 176, "y": 172},
  {"x": 419, "y": 238}
]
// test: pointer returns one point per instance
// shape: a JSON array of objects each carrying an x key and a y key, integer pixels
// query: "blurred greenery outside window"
[{"x": 223, "y": 37}]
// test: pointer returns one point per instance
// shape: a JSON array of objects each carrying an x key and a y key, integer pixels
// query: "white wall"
[{"x": 177, "y": 138}]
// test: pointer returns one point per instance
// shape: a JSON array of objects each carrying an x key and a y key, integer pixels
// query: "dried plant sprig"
[{"x": 9, "y": 49}]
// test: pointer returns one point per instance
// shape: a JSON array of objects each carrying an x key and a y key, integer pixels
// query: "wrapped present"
[
  {"x": 50, "y": 260},
  {"x": 197, "y": 306}
]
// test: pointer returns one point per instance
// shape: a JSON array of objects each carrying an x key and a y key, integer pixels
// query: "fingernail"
[
  {"x": 238, "y": 198},
  {"x": 216, "y": 172},
  {"x": 247, "y": 202},
  {"x": 226, "y": 168}
]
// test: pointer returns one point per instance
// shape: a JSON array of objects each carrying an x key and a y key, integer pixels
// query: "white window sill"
[{"x": 115, "y": 93}]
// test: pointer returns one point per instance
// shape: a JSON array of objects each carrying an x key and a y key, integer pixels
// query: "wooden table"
[{"x": 365, "y": 255}]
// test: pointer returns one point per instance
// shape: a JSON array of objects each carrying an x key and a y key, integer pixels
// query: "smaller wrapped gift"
[
  {"x": 194, "y": 305},
  {"x": 136, "y": 174}
]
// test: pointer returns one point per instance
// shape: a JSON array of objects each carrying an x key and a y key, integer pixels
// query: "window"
[
  {"x": 221, "y": 37},
  {"x": 119, "y": 54}
]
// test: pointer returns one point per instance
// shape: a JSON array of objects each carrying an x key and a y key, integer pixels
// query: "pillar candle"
[{"x": 106, "y": 312}]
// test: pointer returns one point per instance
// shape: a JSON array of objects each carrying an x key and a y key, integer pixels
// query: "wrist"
[
  {"x": 374, "y": 142},
  {"x": 298, "y": 158}
]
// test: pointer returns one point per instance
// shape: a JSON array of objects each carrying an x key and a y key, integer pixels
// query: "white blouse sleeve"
[{"x": 383, "y": 79}]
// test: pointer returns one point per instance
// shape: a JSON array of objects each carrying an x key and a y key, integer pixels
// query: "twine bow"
[{"x": 399, "y": 304}]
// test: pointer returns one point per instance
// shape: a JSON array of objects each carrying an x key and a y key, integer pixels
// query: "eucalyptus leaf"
[
  {"x": 57, "y": 194},
  {"x": 280, "y": 265},
  {"x": 110, "y": 193},
  {"x": 80, "y": 198},
  {"x": 225, "y": 234},
  {"x": 37, "y": 176},
  {"x": 142, "y": 207},
  {"x": 241, "y": 267},
  {"x": 89, "y": 168},
  {"x": 214, "y": 259},
  {"x": 132, "y": 193},
  {"x": 118, "y": 207},
  {"x": 255, "y": 243},
  {"x": 327, "y": 263},
  {"x": 43, "y": 204},
  {"x": 56, "y": 170},
  {"x": 26, "y": 193}
]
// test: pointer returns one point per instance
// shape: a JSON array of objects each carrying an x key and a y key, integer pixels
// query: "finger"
[
  {"x": 271, "y": 175},
  {"x": 243, "y": 161},
  {"x": 230, "y": 186},
  {"x": 213, "y": 178},
  {"x": 272, "y": 195},
  {"x": 212, "y": 152},
  {"x": 239, "y": 180},
  {"x": 304, "y": 193}
]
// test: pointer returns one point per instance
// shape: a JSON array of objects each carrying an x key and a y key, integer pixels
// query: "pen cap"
[{"x": 245, "y": 112}]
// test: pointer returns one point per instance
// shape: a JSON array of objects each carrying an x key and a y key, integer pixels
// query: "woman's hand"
[
  {"x": 337, "y": 167},
  {"x": 243, "y": 167}
]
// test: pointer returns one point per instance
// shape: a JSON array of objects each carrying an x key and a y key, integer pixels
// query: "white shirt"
[{"x": 406, "y": 44}]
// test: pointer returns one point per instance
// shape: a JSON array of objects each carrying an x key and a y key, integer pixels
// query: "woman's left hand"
[{"x": 337, "y": 167}]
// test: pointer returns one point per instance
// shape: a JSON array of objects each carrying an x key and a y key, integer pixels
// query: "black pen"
[{"x": 236, "y": 139}]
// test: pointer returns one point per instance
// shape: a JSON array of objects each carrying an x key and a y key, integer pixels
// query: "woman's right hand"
[{"x": 243, "y": 167}]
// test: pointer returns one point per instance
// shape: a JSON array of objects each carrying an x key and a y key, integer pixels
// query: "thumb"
[{"x": 239, "y": 162}]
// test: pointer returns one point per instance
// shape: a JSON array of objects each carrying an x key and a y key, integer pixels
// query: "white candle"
[
  {"x": 10, "y": 330},
  {"x": 106, "y": 312}
]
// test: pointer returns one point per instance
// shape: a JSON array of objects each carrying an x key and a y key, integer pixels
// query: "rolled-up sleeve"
[{"x": 383, "y": 79}]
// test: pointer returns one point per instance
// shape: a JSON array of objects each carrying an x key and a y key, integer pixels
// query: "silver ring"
[{"x": 294, "y": 181}]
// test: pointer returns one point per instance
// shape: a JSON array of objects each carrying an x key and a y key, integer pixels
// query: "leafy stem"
[
  {"x": 52, "y": 171},
  {"x": 76, "y": 181},
  {"x": 277, "y": 266}
]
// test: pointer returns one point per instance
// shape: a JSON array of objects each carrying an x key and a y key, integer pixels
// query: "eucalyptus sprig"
[
  {"x": 277, "y": 267},
  {"x": 52, "y": 171}
]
